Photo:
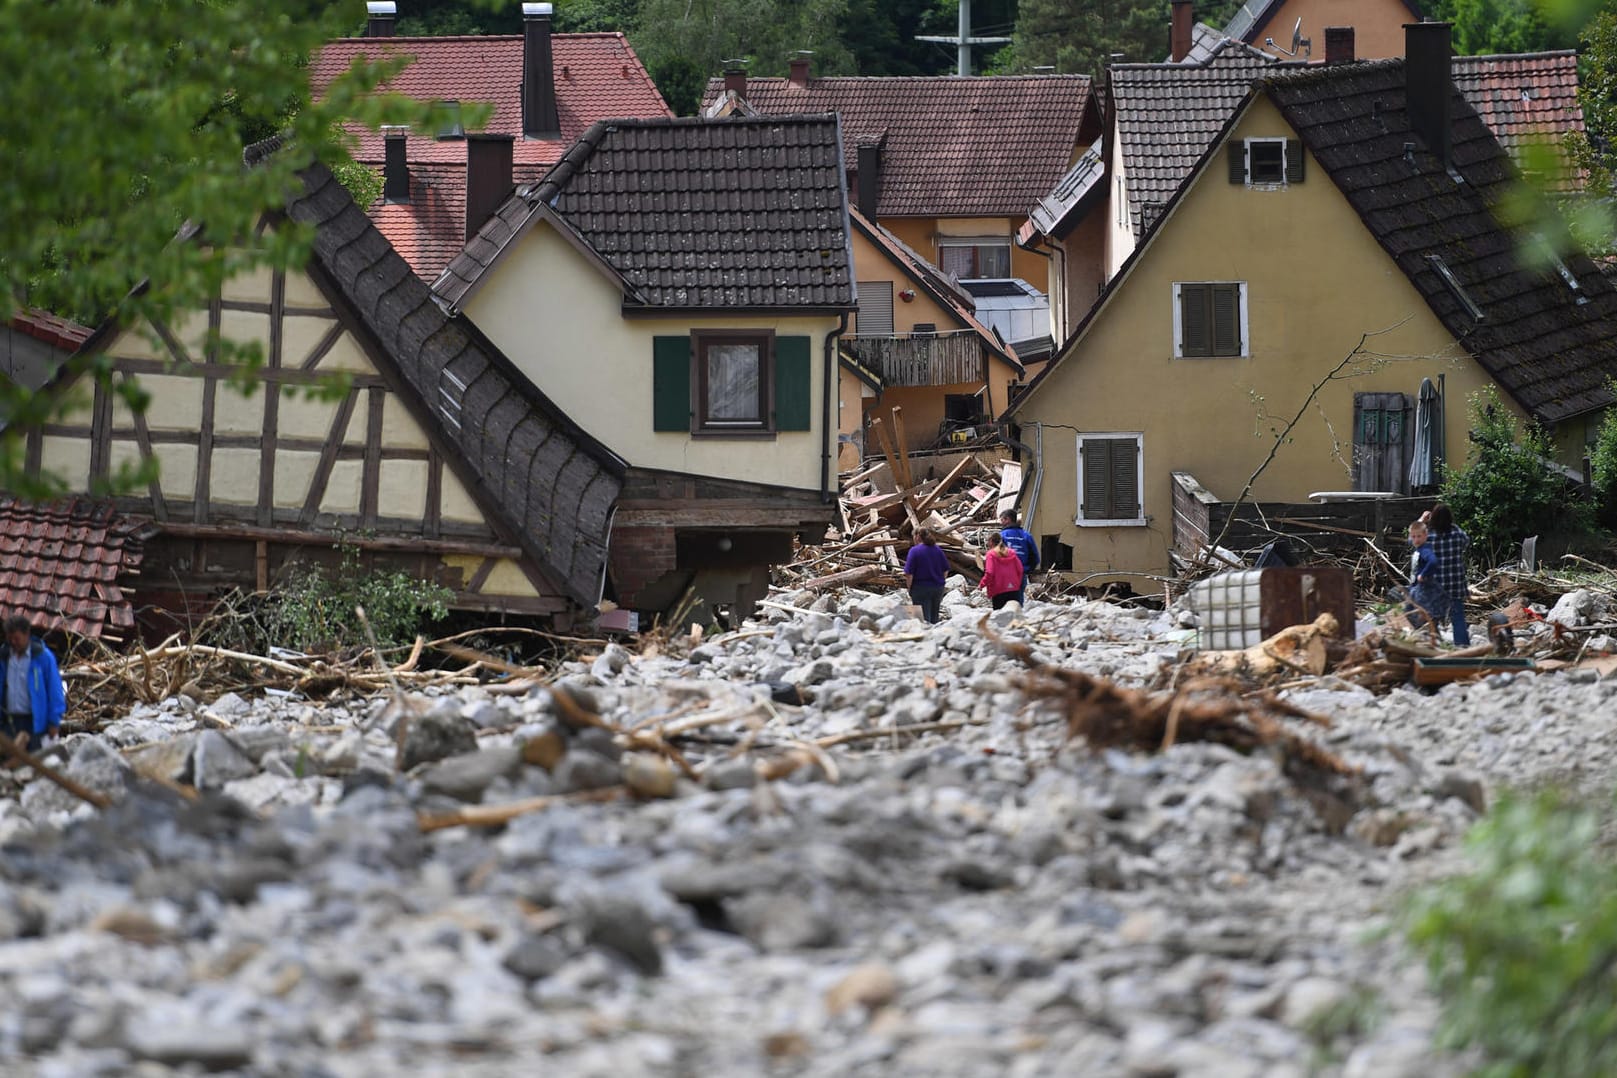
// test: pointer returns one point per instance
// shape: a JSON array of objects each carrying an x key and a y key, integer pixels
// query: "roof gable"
[
  {"x": 736, "y": 213},
  {"x": 953, "y": 146}
]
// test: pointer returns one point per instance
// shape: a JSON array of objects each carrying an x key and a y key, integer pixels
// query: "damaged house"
[{"x": 1406, "y": 273}]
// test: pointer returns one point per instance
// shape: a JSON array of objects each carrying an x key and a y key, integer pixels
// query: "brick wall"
[{"x": 639, "y": 556}]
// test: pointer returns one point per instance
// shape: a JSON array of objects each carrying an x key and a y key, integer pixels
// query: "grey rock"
[
  {"x": 468, "y": 777},
  {"x": 178, "y": 1044},
  {"x": 216, "y": 760},
  {"x": 735, "y": 774},
  {"x": 781, "y": 921},
  {"x": 535, "y": 957},
  {"x": 1462, "y": 787},
  {"x": 438, "y": 735},
  {"x": 599, "y": 741},
  {"x": 621, "y": 925},
  {"x": 95, "y": 764},
  {"x": 582, "y": 769}
]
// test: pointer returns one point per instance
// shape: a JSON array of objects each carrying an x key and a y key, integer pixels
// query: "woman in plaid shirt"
[{"x": 1450, "y": 543}]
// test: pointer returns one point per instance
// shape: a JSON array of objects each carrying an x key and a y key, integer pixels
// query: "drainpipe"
[
  {"x": 1035, "y": 454},
  {"x": 831, "y": 366}
]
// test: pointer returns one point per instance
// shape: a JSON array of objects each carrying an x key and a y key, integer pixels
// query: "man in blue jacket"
[
  {"x": 1021, "y": 542},
  {"x": 32, "y": 700}
]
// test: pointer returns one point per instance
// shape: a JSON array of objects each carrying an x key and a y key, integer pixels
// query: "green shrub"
[
  {"x": 1507, "y": 489},
  {"x": 312, "y": 610},
  {"x": 1603, "y": 457},
  {"x": 1523, "y": 948}
]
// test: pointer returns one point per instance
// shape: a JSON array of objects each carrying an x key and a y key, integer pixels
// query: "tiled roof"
[
  {"x": 1087, "y": 174},
  {"x": 1168, "y": 114},
  {"x": 1526, "y": 98},
  {"x": 57, "y": 332},
  {"x": 953, "y": 147},
  {"x": 691, "y": 213},
  {"x": 1552, "y": 347},
  {"x": 597, "y": 77},
  {"x": 934, "y": 281},
  {"x": 549, "y": 483},
  {"x": 66, "y": 564}
]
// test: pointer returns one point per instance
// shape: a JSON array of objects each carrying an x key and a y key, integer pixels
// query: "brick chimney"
[
  {"x": 395, "y": 165},
  {"x": 868, "y": 179},
  {"x": 488, "y": 177},
  {"x": 1428, "y": 60},
  {"x": 1339, "y": 45},
  {"x": 379, "y": 15},
  {"x": 735, "y": 79},
  {"x": 799, "y": 70},
  {"x": 1181, "y": 29},
  {"x": 538, "y": 74}
]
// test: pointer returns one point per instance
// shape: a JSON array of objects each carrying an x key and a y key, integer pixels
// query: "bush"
[
  {"x": 1523, "y": 949},
  {"x": 1507, "y": 489},
  {"x": 1603, "y": 458},
  {"x": 313, "y": 611}
]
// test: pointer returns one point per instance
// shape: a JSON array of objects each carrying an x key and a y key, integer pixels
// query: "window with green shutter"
[
  {"x": 671, "y": 384},
  {"x": 738, "y": 382},
  {"x": 1209, "y": 319},
  {"x": 794, "y": 383},
  {"x": 1109, "y": 468}
]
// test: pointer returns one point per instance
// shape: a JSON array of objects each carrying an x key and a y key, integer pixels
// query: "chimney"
[
  {"x": 395, "y": 165},
  {"x": 538, "y": 74},
  {"x": 800, "y": 70},
  {"x": 488, "y": 177},
  {"x": 379, "y": 18},
  {"x": 1181, "y": 29},
  {"x": 1339, "y": 45},
  {"x": 1428, "y": 58},
  {"x": 868, "y": 178},
  {"x": 735, "y": 79}
]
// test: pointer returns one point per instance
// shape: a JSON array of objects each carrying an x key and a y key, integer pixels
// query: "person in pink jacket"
[{"x": 1002, "y": 572}]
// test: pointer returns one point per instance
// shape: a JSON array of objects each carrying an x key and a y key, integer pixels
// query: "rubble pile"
[{"x": 834, "y": 841}]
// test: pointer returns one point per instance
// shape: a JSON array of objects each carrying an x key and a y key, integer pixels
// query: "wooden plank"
[
  {"x": 373, "y": 458},
  {"x": 485, "y": 569},
  {"x": 431, "y": 524},
  {"x": 322, "y": 347},
  {"x": 199, "y": 505},
  {"x": 294, "y": 376},
  {"x": 171, "y": 342},
  {"x": 100, "y": 436},
  {"x": 277, "y": 315},
  {"x": 144, "y": 439},
  {"x": 843, "y": 578},
  {"x": 261, "y": 566},
  {"x": 902, "y": 447},
  {"x": 378, "y": 543},
  {"x": 328, "y": 458},
  {"x": 266, "y": 457},
  {"x": 885, "y": 440},
  {"x": 954, "y": 473},
  {"x": 1010, "y": 486}
]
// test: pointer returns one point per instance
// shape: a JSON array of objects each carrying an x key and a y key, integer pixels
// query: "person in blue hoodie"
[
  {"x": 1021, "y": 542},
  {"x": 32, "y": 700}
]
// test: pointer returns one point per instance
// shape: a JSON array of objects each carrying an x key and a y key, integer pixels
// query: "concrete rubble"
[{"x": 817, "y": 894}]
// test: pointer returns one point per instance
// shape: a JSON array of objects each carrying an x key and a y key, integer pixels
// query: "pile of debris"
[{"x": 882, "y": 507}]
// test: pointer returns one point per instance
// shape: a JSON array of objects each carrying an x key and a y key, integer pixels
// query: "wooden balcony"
[{"x": 921, "y": 359}]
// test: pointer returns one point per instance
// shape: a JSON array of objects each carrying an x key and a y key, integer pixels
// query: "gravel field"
[{"x": 985, "y": 898}]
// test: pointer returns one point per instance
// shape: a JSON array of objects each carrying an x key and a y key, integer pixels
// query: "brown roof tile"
[
  {"x": 1526, "y": 98},
  {"x": 954, "y": 147},
  {"x": 67, "y": 564}
]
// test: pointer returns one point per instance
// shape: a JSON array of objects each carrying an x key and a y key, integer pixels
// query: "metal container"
[{"x": 1237, "y": 610}]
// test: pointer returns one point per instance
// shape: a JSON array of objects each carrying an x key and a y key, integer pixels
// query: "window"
[
  {"x": 447, "y": 119},
  {"x": 968, "y": 259},
  {"x": 1456, "y": 289},
  {"x": 1111, "y": 471},
  {"x": 1266, "y": 162},
  {"x": 875, "y": 309},
  {"x": 1209, "y": 319},
  {"x": 742, "y": 383}
]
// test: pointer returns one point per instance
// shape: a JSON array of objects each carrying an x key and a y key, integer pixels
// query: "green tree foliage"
[
  {"x": 1523, "y": 948},
  {"x": 1486, "y": 26},
  {"x": 1507, "y": 489},
  {"x": 1603, "y": 457},
  {"x": 125, "y": 123},
  {"x": 314, "y": 610},
  {"x": 1597, "y": 94},
  {"x": 1080, "y": 38}
]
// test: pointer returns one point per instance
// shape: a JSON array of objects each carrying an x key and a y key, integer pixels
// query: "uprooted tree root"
[{"x": 1217, "y": 709}]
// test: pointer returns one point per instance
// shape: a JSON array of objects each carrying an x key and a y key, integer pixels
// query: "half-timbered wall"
[{"x": 321, "y": 444}]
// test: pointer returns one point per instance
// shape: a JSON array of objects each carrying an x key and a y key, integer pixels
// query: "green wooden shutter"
[
  {"x": 1295, "y": 160},
  {"x": 1124, "y": 492},
  {"x": 671, "y": 384},
  {"x": 1235, "y": 152},
  {"x": 1226, "y": 319},
  {"x": 1195, "y": 328},
  {"x": 1097, "y": 467},
  {"x": 794, "y": 383}
]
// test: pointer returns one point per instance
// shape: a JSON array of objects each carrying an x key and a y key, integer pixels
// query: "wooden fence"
[{"x": 935, "y": 359}]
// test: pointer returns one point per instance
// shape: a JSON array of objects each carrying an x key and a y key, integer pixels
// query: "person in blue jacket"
[
  {"x": 1021, "y": 542},
  {"x": 32, "y": 700}
]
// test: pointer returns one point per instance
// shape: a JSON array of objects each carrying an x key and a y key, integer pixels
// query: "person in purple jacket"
[{"x": 925, "y": 569}]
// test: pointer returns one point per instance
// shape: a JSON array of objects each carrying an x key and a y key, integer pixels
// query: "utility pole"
[{"x": 963, "y": 41}]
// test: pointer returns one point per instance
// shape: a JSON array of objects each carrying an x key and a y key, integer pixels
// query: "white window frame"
[
  {"x": 1267, "y": 185},
  {"x": 1139, "y": 479},
  {"x": 1179, "y": 329}
]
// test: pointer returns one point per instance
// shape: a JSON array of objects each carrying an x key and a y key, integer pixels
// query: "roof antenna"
[{"x": 1298, "y": 41}]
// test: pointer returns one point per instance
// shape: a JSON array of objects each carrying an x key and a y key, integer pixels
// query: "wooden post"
[{"x": 903, "y": 447}]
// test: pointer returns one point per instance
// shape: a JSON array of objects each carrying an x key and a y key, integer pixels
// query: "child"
[
  {"x": 1021, "y": 542},
  {"x": 1426, "y": 598},
  {"x": 1002, "y": 572}
]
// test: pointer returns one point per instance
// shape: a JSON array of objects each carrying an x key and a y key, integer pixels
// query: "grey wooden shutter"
[
  {"x": 1195, "y": 321},
  {"x": 1236, "y": 155},
  {"x": 1295, "y": 160},
  {"x": 1225, "y": 300},
  {"x": 1097, "y": 468},
  {"x": 1125, "y": 488},
  {"x": 875, "y": 309}
]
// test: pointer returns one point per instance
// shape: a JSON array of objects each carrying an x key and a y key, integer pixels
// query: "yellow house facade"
[{"x": 1218, "y": 330}]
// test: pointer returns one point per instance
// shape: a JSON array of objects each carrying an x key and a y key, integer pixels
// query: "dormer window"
[
  {"x": 1266, "y": 162},
  {"x": 1456, "y": 289},
  {"x": 449, "y": 125},
  {"x": 1553, "y": 257}
]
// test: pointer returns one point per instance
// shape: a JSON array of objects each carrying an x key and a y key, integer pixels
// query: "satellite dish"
[{"x": 1296, "y": 36}]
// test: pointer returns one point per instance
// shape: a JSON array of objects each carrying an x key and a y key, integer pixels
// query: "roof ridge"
[
  {"x": 1324, "y": 72},
  {"x": 912, "y": 78},
  {"x": 1542, "y": 54}
]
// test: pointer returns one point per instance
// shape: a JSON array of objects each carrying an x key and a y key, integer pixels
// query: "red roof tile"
[
  {"x": 598, "y": 77},
  {"x": 1525, "y": 97},
  {"x": 65, "y": 564},
  {"x": 954, "y": 147},
  {"x": 56, "y": 332}
]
